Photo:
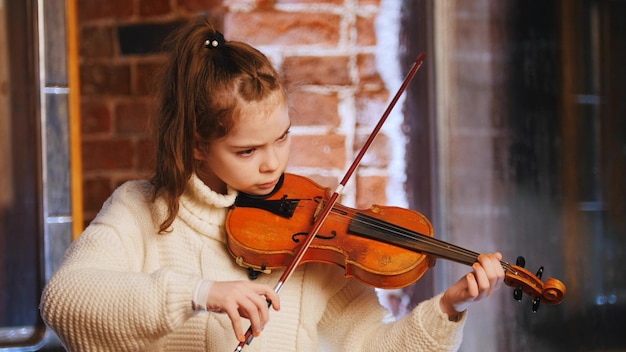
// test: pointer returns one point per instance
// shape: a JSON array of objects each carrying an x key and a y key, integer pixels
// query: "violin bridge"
[{"x": 318, "y": 210}]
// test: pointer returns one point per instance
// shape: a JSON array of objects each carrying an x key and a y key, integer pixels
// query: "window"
[{"x": 35, "y": 178}]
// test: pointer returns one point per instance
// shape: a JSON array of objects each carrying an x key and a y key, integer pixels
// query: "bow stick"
[{"x": 333, "y": 199}]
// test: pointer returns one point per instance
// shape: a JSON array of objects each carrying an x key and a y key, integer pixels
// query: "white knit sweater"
[{"x": 123, "y": 287}]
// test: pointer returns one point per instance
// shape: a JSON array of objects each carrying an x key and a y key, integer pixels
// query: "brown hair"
[{"x": 201, "y": 89}]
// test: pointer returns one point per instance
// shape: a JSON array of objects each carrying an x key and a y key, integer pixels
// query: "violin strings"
[{"x": 432, "y": 245}]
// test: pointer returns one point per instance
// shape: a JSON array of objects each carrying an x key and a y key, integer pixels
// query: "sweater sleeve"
[
  {"x": 100, "y": 298},
  {"x": 354, "y": 321}
]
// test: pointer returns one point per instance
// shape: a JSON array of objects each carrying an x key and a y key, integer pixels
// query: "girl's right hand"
[{"x": 243, "y": 299}]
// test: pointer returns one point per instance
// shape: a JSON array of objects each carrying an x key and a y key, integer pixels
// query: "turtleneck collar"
[{"x": 201, "y": 206}]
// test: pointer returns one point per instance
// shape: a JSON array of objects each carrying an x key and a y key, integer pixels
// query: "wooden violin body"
[
  {"x": 264, "y": 239},
  {"x": 385, "y": 247}
]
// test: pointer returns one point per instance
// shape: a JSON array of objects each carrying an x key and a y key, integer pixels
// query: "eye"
[
  {"x": 246, "y": 152},
  {"x": 283, "y": 137}
]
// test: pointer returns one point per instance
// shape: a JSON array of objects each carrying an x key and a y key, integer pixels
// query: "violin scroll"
[{"x": 551, "y": 292}]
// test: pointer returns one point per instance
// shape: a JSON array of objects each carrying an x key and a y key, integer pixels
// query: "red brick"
[
  {"x": 325, "y": 151},
  {"x": 132, "y": 117},
  {"x": 366, "y": 31},
  {"x": 379, "y": 152},
  {"x": 329, "y": 182},
  {"x": 100, "y": 79},
  {"x": 253, "y": 4},
  {"x": 100, "y": 9},
  {"x": 282, "y": 28},
  {"x": 200, "y": 5},
  {"x": 144, "y": 78},
  {"x": 154, "y": 7},
  {"x": 370, "y": 107},
  {"x": 95, "y": 117},
  {"x": 326, "y": 2},
  {"x": 111, "y": 154},
  {"x": 96, "y": 42},
  {"x": 145, "y": 155},
  {"x": 314, "y": 109},
  {"x": 371, "y": 190},
  {"x": 324, "y": 70},
  {"x": 96, "y": 191},
  {"x": 368, "y": 72}
]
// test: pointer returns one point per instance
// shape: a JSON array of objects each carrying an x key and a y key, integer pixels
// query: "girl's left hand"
[{"x": 486, "y": 278}]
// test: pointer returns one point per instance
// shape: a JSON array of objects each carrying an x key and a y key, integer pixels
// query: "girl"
[{"x": 152, "y": 272}]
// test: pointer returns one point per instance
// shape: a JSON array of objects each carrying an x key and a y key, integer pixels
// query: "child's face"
[{"x": 252, "y": 157}]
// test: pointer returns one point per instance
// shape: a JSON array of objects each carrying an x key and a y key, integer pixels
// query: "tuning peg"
[
  {"x": 536, "y": 302},
  {"x": 518, "y": 294}
]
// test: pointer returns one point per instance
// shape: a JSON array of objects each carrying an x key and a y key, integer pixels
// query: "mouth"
[{"x": 268, "y": 185}]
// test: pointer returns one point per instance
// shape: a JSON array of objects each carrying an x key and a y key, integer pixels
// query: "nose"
[{"x": 271, "y": 161}]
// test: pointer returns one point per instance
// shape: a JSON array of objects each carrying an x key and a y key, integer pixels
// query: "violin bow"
[{"x": 333, "y": 199}]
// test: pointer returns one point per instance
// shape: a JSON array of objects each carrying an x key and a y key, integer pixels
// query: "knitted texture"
[{"x": 124, "y": 287}]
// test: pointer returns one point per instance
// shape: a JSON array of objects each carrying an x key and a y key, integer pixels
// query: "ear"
[{"x": 199, "y": 148}]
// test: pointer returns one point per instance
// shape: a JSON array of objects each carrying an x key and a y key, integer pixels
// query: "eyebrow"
[{"x": 243, "y": 147}]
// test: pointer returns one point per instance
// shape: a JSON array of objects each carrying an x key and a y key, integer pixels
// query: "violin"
[{"x": 385, "y": 247}]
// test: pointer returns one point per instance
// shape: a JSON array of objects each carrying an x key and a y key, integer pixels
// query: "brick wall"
[{"x": 326, "y": 50}]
